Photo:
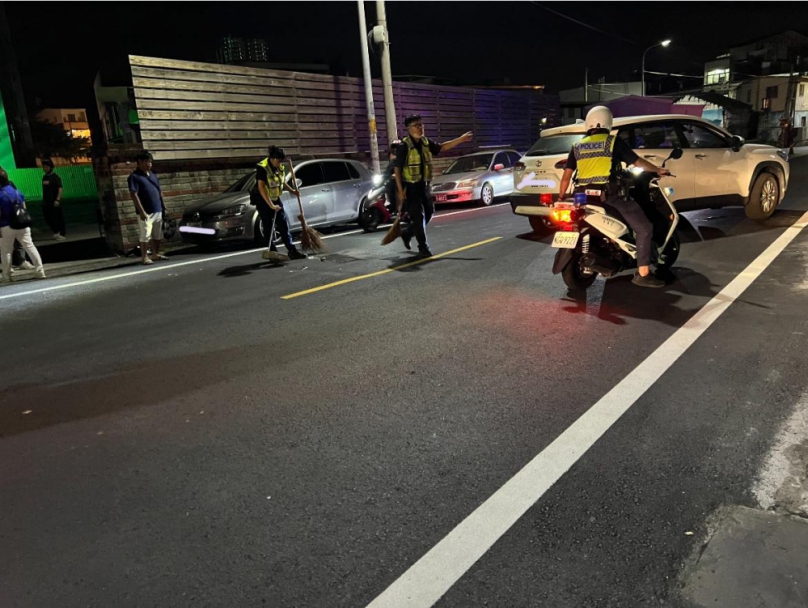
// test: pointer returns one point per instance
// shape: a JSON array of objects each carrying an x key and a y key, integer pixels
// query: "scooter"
[
  {"x": 593, "y": 240},
  {"x": 378, "y": 209}
]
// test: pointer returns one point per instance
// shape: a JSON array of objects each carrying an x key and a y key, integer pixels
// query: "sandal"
[{"x": 147, "y": 262}]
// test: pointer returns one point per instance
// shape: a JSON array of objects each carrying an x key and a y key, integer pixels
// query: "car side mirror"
[
  {"x": 736, "y": 143},
  {"x": 499, "y": 167},
  {"x": 675, "y": 154},
  {"x": 299, "y": 183}
]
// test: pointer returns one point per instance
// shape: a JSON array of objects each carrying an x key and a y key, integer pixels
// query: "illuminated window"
[{"x": 717, "y": 76}]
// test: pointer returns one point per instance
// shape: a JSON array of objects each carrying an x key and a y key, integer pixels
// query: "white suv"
[{"x": 717, "y": 169}]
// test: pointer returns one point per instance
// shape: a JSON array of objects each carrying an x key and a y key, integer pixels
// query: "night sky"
[{"x": 61, "y": 45}]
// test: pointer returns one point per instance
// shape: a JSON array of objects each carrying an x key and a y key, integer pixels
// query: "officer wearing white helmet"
[{"x": 597, "y": 157}]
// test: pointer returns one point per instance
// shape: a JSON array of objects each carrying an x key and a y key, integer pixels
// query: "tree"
[{"x": 51, "y": 140}]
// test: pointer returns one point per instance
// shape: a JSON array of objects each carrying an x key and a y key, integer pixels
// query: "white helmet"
[{"x": 599, "y": 117}]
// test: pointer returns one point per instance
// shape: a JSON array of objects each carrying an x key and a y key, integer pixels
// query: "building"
[
  {"x": 239, "y": 50},
  {"x": 575, "y": 101},
  {"x": 118, "y": 113},
  {"x": 74, "y": 122},
  {"x": 768, "y": 75}
]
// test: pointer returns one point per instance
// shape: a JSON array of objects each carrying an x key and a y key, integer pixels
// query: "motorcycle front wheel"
[{"x": 370, "y": 219}]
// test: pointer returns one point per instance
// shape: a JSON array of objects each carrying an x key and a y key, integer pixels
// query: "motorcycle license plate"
[{"x": 566, "y": 240}]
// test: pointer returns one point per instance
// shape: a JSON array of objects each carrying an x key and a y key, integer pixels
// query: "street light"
[{"x": 653, "y": 46}]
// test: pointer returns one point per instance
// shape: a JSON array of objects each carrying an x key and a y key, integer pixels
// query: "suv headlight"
[
  {"x": 466, "y": 184},
  {"x": 233, "y": 211},
  {"x": 782, "y": 154}
]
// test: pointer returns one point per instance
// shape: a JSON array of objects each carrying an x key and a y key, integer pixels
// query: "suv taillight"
[
  {"x": 562, "y": 164},
  {"x": 519, "y": 166}
]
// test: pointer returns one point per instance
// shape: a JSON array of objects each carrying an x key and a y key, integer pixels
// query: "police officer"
[
  {"x": 597, "y": 157},
  {"x": 270, "y": 183},
  {"x": 413, "y": 172}
]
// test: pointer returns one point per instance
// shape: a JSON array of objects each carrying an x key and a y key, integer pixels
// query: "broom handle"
[{"x": 299, "y": 202}]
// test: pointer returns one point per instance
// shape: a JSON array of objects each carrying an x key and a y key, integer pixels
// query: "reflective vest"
[
  {"x": 594, "y": 157},
  {"x": 274, "y": 180},
  {"x": 412, "y": 169}
]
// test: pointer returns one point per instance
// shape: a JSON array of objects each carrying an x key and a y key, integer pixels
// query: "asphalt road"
[{"x": 185, "y": 436}]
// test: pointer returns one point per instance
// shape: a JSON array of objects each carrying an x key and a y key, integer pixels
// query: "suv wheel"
[
  {"x": 541, "y": 225},
  {"x": 764, "y": 197}
]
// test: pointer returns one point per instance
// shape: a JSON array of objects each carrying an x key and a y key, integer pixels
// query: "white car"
[{"x": 717, "y": 169}]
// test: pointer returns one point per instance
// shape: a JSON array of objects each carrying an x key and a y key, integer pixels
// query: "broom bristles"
[
  {"x": 393, "y": 233},
  {"x": 309, "y": 237}
]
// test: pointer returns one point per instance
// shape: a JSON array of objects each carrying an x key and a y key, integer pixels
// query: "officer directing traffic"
[
  {"x": 413, "y": 173},
  {"x": 597, "y": 158}
]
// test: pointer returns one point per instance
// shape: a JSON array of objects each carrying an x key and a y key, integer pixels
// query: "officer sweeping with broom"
[{"x": 271, "y": 182}]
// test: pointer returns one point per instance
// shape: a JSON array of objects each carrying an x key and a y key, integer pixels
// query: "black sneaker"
[
  {"x": 424, "y": 252},
  {"x": 647, "y": 281},
  {"x": 294, "y": 254},
  {"x": 407, "y": 238}
]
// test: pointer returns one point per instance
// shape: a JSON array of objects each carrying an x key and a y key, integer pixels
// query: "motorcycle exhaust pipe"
[{"x": 601, "y": 265}]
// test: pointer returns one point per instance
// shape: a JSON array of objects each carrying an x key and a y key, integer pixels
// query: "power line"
[{"x": 581, "y": 23}]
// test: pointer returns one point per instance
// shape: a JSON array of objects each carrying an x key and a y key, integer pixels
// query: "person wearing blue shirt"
[
  {"x": 10, "y": 198},
  {"x": 144, "y": 187}
]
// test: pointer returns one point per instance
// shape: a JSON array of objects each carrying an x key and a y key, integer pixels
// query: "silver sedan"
[
  {"x": 480, "y": 177},
  {"x": 333, "y": 191}
]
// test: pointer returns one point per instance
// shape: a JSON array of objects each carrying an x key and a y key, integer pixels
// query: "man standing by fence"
[
  {"x": 144, "y": 188},
  {"x": 52, "y": 200}
]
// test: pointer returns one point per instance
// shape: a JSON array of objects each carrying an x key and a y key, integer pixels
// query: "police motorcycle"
[{"x": 594, "y": 240}]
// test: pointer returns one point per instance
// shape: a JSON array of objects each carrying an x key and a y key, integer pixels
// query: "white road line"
[
  {"x": 435, "y": 573},
  {"x": 202, "y": 261}
]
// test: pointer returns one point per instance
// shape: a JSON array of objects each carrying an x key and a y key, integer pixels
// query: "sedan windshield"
[
  {"x": 243, "y": 184},
  {"x": 479, "y": 162}
]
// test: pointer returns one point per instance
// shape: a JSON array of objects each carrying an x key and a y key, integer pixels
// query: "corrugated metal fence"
[
  {"x": 78, "y": 182},
  {"x": 190, "y": 110}
]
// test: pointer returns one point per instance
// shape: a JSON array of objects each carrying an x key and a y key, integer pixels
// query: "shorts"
[{"x": 151, "y": 228}]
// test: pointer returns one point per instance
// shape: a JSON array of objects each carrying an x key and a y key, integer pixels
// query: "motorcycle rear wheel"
[{"x": 574, "y": 277}]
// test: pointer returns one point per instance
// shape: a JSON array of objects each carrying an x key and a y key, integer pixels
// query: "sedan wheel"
[{"x": 487, "y": 194}]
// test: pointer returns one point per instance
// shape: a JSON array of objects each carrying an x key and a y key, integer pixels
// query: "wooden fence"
[{"x": 191, "y": 110}]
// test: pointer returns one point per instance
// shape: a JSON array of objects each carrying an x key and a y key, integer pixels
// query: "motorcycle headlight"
[
  {"x": 377, "y": 179},
  {"x": 466, "y": 184},
  {"x": 233, "y": 211}
]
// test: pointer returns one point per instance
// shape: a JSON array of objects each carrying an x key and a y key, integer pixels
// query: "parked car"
[
  {"x": 333, "y": 192},
  {"x": 717, "y": 169},
  {"x": 482, "y": 177}
]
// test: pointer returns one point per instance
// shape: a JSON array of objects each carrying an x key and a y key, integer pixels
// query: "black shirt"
[
  {"x": 621, "y": 152},
  {"x": 403, "y": 151},
  {"x": 50, "y": 187}
]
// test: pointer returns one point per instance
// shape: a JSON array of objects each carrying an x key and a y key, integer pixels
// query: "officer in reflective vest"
[
  {"x": 413, "y": 173},
  {"x": 270, "y": 183},
  {"x": 597, "y": 157}
]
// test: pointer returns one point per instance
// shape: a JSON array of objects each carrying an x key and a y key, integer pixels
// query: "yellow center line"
[{"x": 381, "y": 272}]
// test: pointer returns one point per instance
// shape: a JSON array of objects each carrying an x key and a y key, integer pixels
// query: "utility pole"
[
  {"x": 374, "y": 142},
  {"x": 383, "y": 37},
  {"x": 586, "y": 85}
]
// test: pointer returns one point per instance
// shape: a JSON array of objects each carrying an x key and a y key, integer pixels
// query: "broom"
[
  {"x": 395, "y": 230},
  {"x": 309, "y": 237}
]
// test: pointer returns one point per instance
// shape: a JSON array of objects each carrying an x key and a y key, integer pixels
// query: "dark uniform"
[
  {"x": 414, "y": 160},
  {"x": 274, "y": 179},
  {"x": 596, "y": 158},
  {"x": 54, "y": 216}
]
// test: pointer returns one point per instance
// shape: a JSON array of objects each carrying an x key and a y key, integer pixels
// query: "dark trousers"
[
  {"x": 281, "y": 225},
  {"x": 637, "y": 220},
  {"x": 54, "y": 217},
  {"x": 420, "y": 209}
]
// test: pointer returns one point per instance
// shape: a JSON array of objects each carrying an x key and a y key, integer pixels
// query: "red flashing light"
[{"x": 546, "y": 198}]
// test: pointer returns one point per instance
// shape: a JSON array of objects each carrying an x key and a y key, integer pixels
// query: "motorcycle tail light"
[{"x": 562, "y": 216}]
